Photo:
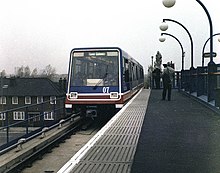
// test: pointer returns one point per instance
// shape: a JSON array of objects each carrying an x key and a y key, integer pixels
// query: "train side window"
[
  {"x": 130, "y": 71},
  {"x": 142, "y": 73},
  {"x": 126, "y": 70},
  {"x": 137, "y": 76},
  {"x": 134, "y": 72}
]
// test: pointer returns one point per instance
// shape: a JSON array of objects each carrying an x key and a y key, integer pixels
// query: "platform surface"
[{"x": 178, "y": 136}]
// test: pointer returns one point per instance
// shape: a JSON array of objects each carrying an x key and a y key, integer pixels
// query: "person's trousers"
[{"x": 166, "y": 88}]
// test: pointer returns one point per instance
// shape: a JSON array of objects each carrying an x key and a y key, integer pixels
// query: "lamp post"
[
  {"x": 181, "y": 46},
  {"x": 152, "y": 61},
  {"x": 152, "y": 65},
  {"x": 212, "y": 81},
  {"x": 203, "y": 49},
  {"x": 164, "y": 27},
  {"x": 162, "y": 39}
]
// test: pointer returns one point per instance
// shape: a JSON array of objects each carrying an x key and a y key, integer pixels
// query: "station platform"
[{"x": 150, "y": 135}]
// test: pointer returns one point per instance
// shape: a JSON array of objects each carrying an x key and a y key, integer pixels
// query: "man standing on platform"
[
  {"x": 156, "y": 76},
  {"x": 167, "y": 77}
]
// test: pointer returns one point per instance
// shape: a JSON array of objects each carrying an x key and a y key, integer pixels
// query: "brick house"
[{"x": 35, "y": 96}]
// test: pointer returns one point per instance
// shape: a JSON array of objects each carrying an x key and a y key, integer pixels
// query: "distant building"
[{"x": 23, "y": 92}]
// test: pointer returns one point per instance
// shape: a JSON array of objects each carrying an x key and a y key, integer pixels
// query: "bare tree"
[
  {"x": 23, "y": 71},
  {"x": 19, "y": 71},
  {"x": 27, "y": 71},
  {"x": 49, "y": 71},
  {"x": 34, "y": 73}
]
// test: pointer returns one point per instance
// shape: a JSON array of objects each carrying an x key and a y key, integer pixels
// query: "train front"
[{"x": 94, "y": 84}]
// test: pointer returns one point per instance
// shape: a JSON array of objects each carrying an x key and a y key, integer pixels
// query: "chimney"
[
  {"x": 60, "y": 83},
  {"x": 64, "y": 84}
]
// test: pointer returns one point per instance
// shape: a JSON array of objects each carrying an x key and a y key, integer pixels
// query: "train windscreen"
[{"x": 95, "y": 68}]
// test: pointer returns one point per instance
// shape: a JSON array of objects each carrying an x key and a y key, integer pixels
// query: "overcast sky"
[{"x": 41, "y": 32}]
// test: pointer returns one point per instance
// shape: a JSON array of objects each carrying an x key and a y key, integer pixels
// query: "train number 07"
[{"x": 105, "y": 89}]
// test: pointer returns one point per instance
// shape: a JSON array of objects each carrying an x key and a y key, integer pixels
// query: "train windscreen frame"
[{"x": 94, "y": 68}]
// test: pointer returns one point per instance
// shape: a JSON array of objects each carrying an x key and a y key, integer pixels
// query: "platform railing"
[
  {"x": 27, "y": 121},
  {"x": 195, "y": 82}
]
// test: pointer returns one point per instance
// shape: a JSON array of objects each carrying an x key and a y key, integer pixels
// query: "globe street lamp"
[
  {"x": 162, "y": 39},
  {"x": 164, "y": 27},
  {"x": 169, "y": 3}
]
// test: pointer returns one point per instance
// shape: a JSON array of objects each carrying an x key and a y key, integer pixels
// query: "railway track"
[
  {"x": 33, "y": 153},
  {"x": 55, "y": 156}
]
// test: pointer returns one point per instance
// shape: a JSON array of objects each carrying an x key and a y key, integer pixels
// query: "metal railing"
[
  {"x": 195, "y": 81},
  {"x": 28, "y": 121}
]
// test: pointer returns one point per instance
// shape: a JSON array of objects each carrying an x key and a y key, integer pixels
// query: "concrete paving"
[{"x": 178, "y": 136}]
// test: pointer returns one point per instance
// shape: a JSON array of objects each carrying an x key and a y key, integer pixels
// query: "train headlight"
[
  {"x": 113, "y": 95},
  {"x": 68, "y": 106},
  {"x": 73, "y": 95}
]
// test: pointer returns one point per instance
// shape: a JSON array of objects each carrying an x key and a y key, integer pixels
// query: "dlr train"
[{"x": 101, "y": 80}]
